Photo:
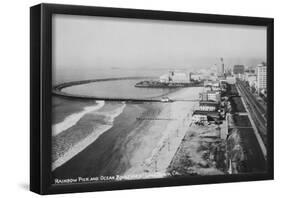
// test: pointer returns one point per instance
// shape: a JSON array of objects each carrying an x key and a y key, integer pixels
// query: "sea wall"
[{"x": 57, "y": 90}]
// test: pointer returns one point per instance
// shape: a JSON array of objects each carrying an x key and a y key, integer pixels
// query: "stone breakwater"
[{"x": 57, "y": 89}]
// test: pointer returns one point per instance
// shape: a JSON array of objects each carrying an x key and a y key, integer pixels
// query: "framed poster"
[{"x": 124, "y": 98}]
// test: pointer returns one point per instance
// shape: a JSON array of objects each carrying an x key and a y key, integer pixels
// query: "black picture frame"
[{"x": 41, "y": 92}]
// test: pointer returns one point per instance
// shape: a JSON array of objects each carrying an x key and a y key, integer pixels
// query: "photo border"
[{"x": 41, "y": 93}]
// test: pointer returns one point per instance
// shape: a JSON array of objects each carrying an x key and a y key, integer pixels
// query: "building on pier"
[{"x": 175, "y": 77}]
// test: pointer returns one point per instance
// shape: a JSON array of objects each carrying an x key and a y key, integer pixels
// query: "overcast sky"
[{"x": 95, "y": 42}]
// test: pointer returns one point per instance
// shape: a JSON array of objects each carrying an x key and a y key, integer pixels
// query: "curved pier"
[{"x": 57, "y": 90}]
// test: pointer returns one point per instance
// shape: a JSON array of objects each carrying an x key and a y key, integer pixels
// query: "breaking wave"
[
  {"x": 99, "y": 129},
  {"x": 74, "y": 118}
]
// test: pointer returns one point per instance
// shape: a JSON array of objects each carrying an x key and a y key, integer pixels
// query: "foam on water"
[
  {"x": 72, "y": 119},
  {"x": 97, "y": 131}
]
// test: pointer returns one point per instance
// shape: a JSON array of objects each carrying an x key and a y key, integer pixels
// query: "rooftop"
[
  {"x": 208, "y": 113},
  {"x": 208, "y": 102}
]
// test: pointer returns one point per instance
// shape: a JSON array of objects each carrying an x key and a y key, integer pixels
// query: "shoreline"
[{"x": 137, "y": 144}]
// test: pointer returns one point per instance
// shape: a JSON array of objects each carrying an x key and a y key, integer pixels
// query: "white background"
[{"x": 14, "y": 86}]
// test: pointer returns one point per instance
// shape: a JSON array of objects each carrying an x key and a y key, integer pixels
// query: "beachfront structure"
[
  {"x": 175, "y": 77},
  {"x": 203, "y": 96},
  {"x": 198, "y": 76},
  {"x": 164, "y": 78},
  {"x": 208, "y": 106},
  {"x": 230, "y": 79},
  {"x": 214, "y": 96},
  {"x": 210, "y": 96},
  {"x": 214, "y": 85},
  {"x": 205, "y": 116},
  {"x": 216, "y": 88},
  {"x": 199, "y": 118},
  {"x": 261, "y": 77},
  {"x": 195, "y": 76}
]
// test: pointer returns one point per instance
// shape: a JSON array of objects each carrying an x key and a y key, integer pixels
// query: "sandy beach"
[{"x": 162, "y": 138}]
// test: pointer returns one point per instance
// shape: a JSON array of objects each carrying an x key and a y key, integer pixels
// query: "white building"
[
  {"x": 164, "y": 78},
  {"x": 213, "y": 96},
  {"x": 212, "y": 85},
  {"x": 196, "y": 77},
  {"x": 210, "y": 96},
  {"x": 261, "y": 77},
  {"x": 174, "y": 77},
  {"x": 231, "y": 79},
  {"x": 199, "y": 118},
  {"x": 208, "y": 106}
]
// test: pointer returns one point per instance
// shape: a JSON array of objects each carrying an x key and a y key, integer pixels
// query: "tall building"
[
  {"x": 222, "y": 67},
  {"x": 261, "y": 77}
]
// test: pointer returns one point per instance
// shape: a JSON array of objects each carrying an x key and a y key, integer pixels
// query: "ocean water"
[
  {"x": 72, "y": 119},
  {"x": 79, "y": 130},
  {"x": 77, "y": 73},
  {"x": 116, "y": 89}
]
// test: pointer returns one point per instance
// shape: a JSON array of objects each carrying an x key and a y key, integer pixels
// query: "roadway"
[{"x": 257, "y": 110}]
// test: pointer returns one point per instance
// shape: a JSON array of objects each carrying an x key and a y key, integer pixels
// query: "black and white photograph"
[
  {"x": 137, "y": 99},
  {"x": 140, "y": 99}
]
